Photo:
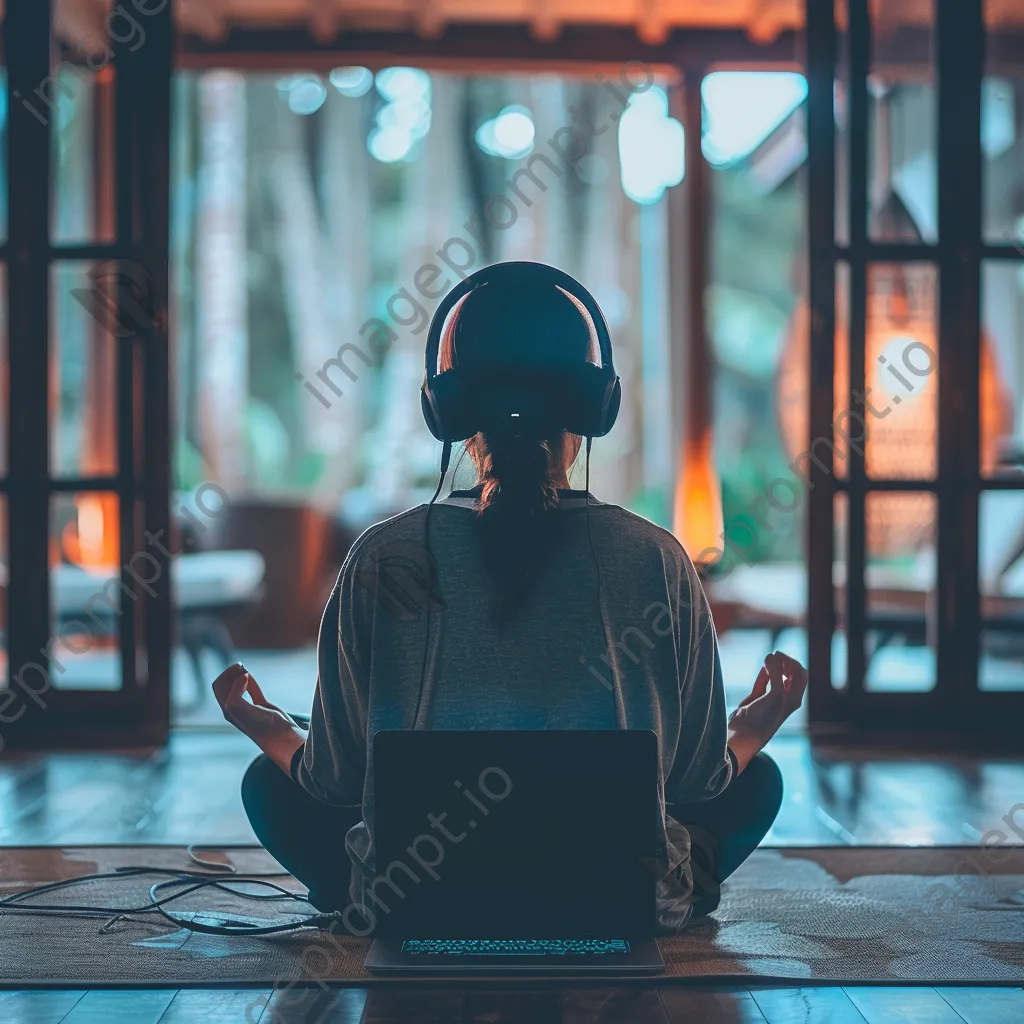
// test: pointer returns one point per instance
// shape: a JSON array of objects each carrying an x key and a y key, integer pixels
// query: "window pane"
[
  {"x": 1002, "y": 125},
  {"x": 840, "y": 560},
  {"x": 78, "y": 105},
  {"x": 1002, "y": 368},
  {"x": 841, "y": 115},
  {"x": 4, "y": 594},
  {"x": 844, "y": 405},
  {"x": 83, "y": 374},
  {"x": 86, "y": 591},
  {"x": 4, "y": 369},
  {"x": 1001, "y": 582},
  {"x": 902, "y": 154},
  {"x": 4, "y": 150},
  {"x": 893, "y": 423},
  {"x": 900, "y": 405},
  {"x": 900, "y": 579}
]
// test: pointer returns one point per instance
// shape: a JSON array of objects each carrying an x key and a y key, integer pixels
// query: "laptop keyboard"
[{"x": 515, "y": 947}]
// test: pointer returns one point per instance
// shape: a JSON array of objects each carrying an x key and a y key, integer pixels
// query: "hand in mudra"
[
  {"x": 256, "y": 717},
  {"x": 778, "y": 691}
]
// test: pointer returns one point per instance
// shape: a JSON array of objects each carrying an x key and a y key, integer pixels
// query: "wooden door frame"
[
  {"x": 955, "y": 705},
  {"x": 138, "y": 713}
]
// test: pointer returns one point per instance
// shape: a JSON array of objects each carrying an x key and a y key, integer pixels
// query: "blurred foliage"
[
  {"x": 188, "y": 466},
  {"x": 756, "y": 279}
]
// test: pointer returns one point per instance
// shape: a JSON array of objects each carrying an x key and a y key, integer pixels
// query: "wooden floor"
[
  {"x": 188, "y": 793},
  {"x": 521, "y": 1006}
]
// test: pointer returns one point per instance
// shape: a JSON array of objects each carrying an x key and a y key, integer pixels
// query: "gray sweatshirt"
[{"x": 652, "y": 664}]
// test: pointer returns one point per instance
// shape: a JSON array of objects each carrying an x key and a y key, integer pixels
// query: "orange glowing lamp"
[
  {"x": 900, "y": 416},
  {"x": 697, "y": 520}
]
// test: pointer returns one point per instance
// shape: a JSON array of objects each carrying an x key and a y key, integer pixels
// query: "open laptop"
[{"x": 519, "y": 851}]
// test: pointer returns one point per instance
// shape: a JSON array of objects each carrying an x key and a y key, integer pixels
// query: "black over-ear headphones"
[{"x": 585, "y": 400}]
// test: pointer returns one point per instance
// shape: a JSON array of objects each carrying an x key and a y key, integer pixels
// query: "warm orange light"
[
  {"x": 697, "y": 521},
  {"x": 91, "y": 538},
  {"x": 901, "y": 379}
]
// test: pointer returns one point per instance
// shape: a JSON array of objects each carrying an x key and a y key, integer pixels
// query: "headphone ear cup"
[
  {"x": 611, "y": 407},
  {"x": 593, "y": 395},
  {"x": 429, "y": 412},
  {"x": 446, "y": 409}
]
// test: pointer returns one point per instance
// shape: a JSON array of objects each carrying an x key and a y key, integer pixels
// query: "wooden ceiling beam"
[{"x": 486, "y": 45}]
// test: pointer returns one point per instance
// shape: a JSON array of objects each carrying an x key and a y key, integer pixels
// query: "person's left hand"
[
  {"x": 257, "y": 718},
  {"x": 778, "y": 691}
]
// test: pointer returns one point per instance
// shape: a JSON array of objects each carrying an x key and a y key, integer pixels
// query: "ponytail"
[{"x": 516, "y": 526}]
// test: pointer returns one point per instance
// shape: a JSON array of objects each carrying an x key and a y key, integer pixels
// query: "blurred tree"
[
  {"x": 434, "y": 207},
  {"x": 221, "y": 278}
]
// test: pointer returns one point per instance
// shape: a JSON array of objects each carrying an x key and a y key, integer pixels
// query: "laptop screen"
[{"x": 515, "y": 834}]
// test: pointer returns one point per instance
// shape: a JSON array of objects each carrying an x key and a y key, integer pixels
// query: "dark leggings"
[{"x": 307, "y": 837}]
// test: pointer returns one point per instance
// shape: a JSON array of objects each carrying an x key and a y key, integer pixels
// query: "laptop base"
[{"x": 387, "y": 956}]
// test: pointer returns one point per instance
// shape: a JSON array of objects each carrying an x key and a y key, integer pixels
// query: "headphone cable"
[
  {"x": 618, "y": 711},
  {"x": 446, "y": 456}
]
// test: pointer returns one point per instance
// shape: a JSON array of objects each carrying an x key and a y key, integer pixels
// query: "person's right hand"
[{"x": 778, "y": 691}]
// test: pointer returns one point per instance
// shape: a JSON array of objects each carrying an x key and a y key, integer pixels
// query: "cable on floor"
[{"x": 192, "y": 880}]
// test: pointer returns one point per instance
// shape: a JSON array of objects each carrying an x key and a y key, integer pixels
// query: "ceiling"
[
  {"x": 761, "y": 20},
  {"x": 653, "y": 19}
]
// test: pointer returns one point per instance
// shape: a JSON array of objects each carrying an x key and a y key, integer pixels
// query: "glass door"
[
  {"x": 912, "y": 401},
  {"x": 1000, "y": 645},
  {"x": 87, "y": 568}
]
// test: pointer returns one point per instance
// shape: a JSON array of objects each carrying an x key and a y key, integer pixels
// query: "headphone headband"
[
  {"x": 585, "y": 400},
  {"x": 506, "y": 273}
]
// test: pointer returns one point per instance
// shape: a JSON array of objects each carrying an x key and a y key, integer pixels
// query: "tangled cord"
[{"x": 215, "y": 875}]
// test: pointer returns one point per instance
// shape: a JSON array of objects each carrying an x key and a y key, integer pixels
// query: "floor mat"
[{"x": 849, "y": 914}]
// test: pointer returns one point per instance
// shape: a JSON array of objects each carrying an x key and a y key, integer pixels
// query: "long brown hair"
[{"x": 519, "y": 472}]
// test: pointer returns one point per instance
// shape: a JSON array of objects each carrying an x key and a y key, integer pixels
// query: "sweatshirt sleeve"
[
  {"x": 332, "y": 766},
  {"x": 703, "y": 767}
]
